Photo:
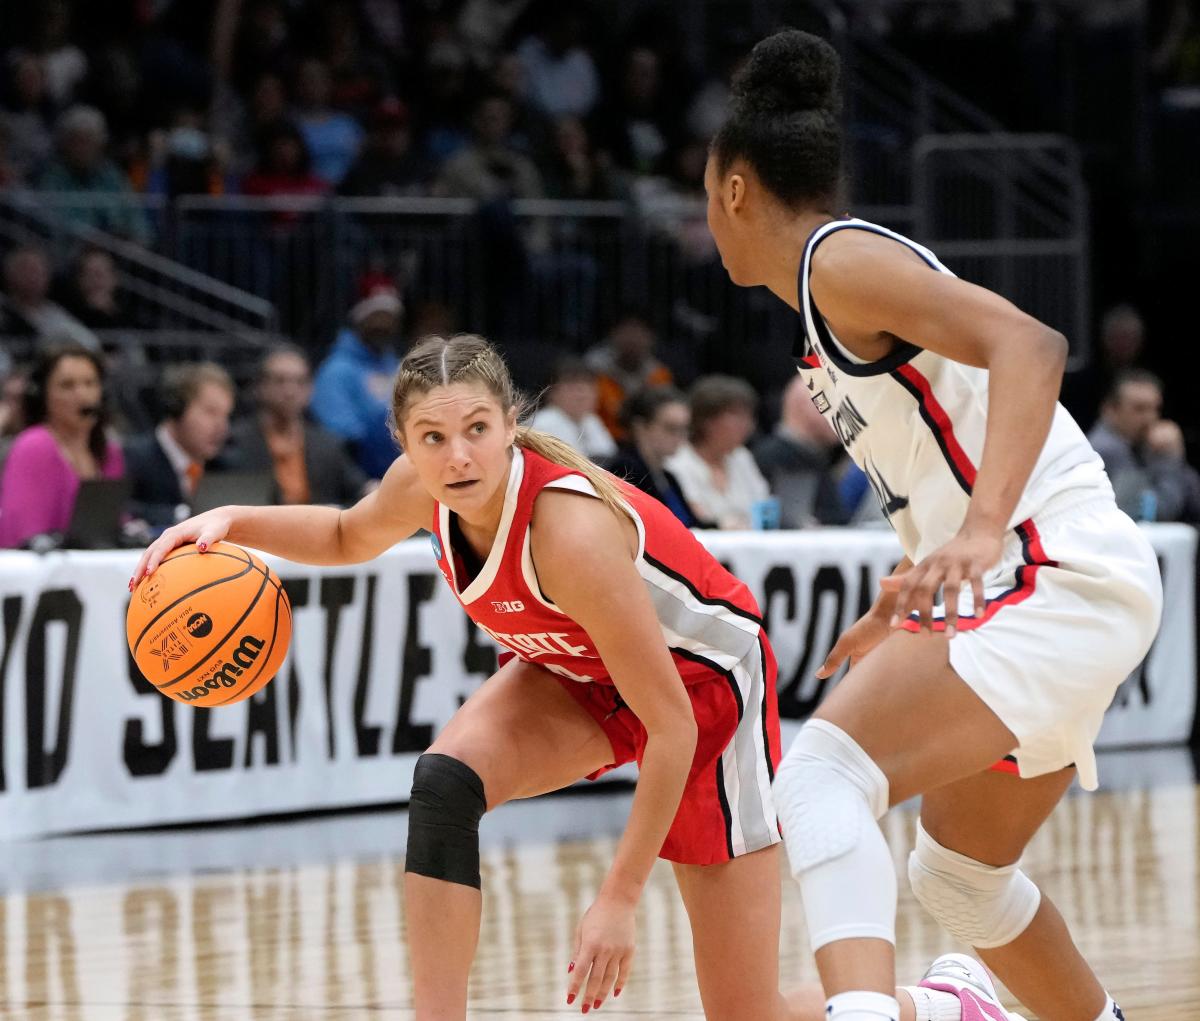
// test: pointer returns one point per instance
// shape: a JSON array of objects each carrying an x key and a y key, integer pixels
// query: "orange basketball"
[{"x": 209, "y": 628}]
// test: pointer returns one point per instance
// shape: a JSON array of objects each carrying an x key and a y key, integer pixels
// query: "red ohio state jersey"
[{"x": 709, "y": 619}]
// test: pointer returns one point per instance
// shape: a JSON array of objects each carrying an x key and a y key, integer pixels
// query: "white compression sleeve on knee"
[
  {"x": 985, "y": 906},
  {"x": 829, "y": 795}
]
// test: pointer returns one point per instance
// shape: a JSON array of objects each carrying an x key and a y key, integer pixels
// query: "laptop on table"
[
  {"x": 96, "y": 519},
  {"x": 221, "y": 488}
]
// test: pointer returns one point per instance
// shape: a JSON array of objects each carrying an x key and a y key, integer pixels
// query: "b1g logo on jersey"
[{"x": 516, "y": 606}]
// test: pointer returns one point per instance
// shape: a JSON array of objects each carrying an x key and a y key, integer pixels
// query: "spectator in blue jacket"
[{"x": 352, "y": 391}]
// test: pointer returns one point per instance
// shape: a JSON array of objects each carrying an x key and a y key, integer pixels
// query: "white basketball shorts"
[{"x": 1071, "y": 610}]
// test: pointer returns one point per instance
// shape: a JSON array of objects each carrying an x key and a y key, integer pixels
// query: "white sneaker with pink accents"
[{"x": 966, "y": 978}]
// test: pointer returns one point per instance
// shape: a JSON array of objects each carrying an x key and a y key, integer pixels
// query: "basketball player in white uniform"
[{"x": 946, "y": 396}]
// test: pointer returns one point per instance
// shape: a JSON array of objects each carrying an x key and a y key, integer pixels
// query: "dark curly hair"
[{"x": 783, "y": 119}]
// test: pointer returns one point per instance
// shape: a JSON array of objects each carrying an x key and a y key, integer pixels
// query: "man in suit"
[
  {"x": 165, "y": 466},
  {"x": 309, "y": 463}
]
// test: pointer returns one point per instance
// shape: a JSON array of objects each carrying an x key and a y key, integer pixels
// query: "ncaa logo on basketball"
[
  {"x": 516, "y": 606},
  {"x": 199, "y": 625},
  {"x": 436, "y": 543}
]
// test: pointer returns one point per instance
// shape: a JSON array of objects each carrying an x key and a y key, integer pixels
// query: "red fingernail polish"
[
  {"x": 201, "y": 546},
  {"x": 596, "y": 1005},
  {"x": 570, "y": 967},
  {"x": 616, "y": 993},
  {"x": 585, "y": 1008},
  {"x": 570, "y": 998}
]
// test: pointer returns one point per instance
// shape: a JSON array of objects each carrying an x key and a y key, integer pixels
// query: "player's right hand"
[
  {"x": 203, "y": 529},
  {"x": 856, "y": 641},
  {"x": 604, "y": 949}
]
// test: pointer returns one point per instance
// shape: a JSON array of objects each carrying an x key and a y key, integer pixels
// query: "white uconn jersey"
[{"x": 915, "y": 421}]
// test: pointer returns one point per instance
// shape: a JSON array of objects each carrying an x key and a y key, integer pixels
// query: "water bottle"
[
  {"x": 765, "y": 513},
  {"x": 1148, "y": 505}
]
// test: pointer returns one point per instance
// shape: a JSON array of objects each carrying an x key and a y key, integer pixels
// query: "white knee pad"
[
  {"x": 829, "y": 795},
  {"x": 982, "y": 905}
]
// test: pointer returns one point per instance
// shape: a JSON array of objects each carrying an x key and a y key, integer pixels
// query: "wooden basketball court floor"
[{"x": 291, "y": 921}]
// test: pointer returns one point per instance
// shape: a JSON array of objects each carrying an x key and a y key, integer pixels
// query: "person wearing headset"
[
  {"x": 165, "y": 466},
  {"x": 65, "y": 442}
]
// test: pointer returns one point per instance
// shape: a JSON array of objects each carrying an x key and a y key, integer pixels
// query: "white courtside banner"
[{"x": 381, "y": 657}]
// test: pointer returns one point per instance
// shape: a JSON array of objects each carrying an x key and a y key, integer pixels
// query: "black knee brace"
[{"x": 444, "y": 810}]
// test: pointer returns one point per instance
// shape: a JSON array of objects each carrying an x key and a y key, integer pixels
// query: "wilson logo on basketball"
[
  {"x": 199, "y": 625},
  {"x": 228, "y": 673},
  {"x": 516, "y": 606}
]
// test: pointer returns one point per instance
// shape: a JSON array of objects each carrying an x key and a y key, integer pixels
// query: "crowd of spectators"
[
  {"x": 475, "y": 98},
  {"x": 325, "y": 437},
  {"x": 485, "y": 99}
]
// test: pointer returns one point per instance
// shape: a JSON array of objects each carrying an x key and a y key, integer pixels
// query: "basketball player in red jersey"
[
  {"x": 945, "y": 395},
  {"x": 626, "y": 641}
]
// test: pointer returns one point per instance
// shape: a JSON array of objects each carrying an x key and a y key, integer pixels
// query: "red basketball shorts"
[{"x": 727, "y": 809}]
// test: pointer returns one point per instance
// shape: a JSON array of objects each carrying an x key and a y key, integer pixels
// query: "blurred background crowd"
[{"x": 221, "y": 225}]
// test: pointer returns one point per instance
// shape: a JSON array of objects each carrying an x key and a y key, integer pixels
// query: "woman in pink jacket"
[{"x": 65, "y": 443}]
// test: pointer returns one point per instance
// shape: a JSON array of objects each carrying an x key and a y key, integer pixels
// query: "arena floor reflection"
[{"x": 305, "y": 920}]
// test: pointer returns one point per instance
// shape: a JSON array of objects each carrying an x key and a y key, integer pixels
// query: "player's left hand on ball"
[
  {"x": 604, "y": 943},
  {"x": 205, "y": 530},
  {"x": 962, "y": 561}
]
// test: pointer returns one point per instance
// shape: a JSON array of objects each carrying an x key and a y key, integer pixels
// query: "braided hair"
[{"x": 468, "y": 358}]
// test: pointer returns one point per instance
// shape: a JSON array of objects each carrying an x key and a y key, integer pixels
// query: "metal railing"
[
  {"x": 238, "y": 352},
  {"x": 546, "y": 277},
  {"x": 164, "y": 292},
  {"x": 306, "y": 255},
  {"x": 890, "y": 105},
  {"x": 542, "y": 276},
  {"x": 1010, "y": 212}
]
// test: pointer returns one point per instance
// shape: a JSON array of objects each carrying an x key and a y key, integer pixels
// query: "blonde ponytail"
[{"x": 554, "y": 449}]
